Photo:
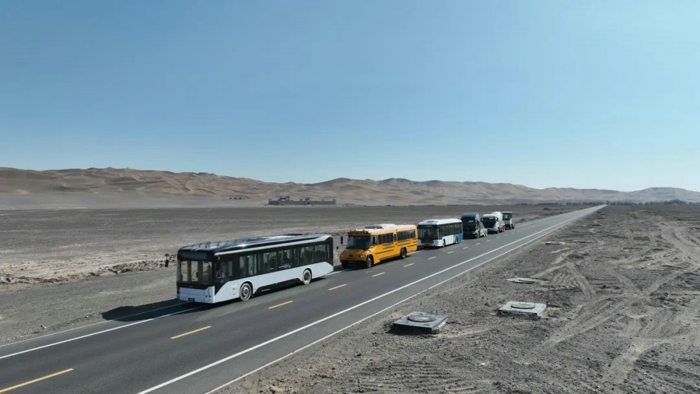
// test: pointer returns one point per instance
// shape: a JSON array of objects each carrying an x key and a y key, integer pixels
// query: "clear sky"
[{"x": 599, "y": 94}]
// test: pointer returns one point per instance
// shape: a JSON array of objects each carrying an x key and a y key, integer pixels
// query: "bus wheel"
[
  {"x": 403, "y": 253},
  {"x": 306, "y": 278},
  {"x": 345, "y": 264},
  {"x": 369, "y": 263},
  {"x": 246, "y": 292}
]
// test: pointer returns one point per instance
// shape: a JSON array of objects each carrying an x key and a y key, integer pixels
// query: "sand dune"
[{"x": 112, "y": 184}]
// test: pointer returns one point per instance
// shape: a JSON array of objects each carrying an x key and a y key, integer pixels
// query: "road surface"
[{"x": 186, "y": 348}]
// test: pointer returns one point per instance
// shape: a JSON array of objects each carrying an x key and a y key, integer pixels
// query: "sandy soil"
[
  {"x": 623, "y": 289},
  {"x": 65, "y": 268}
]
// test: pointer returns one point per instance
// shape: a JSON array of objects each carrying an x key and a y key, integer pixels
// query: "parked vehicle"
[
  {"x": 494, "y": 222},
  {"x": 378, "y": 242},
  {"x": 508, "y": 220},
  {"x": 472, "y": 226},
  {"x": 212, "y": 272},
  {"x": 438, "y": 233}
]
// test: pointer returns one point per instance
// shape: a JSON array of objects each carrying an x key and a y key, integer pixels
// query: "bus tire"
[
  {"x": 403, "y": 253},
  {"x": 369, "y": 263},
  {"x": 246, "y": 292},
  {"x": 345, "y": 264},
  {"x": 306, "y": 277}
]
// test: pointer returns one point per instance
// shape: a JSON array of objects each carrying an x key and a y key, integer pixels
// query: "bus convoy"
[{"x": 213, "y": 272}]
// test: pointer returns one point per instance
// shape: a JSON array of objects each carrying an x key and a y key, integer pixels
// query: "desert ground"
[
  {"x": 63, "y": 268},
  {"x": 623, "y": 293}
]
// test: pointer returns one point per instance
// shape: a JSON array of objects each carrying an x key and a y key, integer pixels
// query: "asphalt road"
[{"x": 186, "y": 348}]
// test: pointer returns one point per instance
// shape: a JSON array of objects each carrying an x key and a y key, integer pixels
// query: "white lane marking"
[
  {"x": 430, "y": 258},
  {"x": 451, "y": 251},
  {"x": 478, "y": 243},
  {"x": 97, "y": 333},
  {"x": 488, "y": 240},
  {"x": 465, "y": 247},
  {"x": 383, "y": 310},
  {"x": 88, "y": 325},
  {"x": 275, "y": 339},
  {"x": 348, "y": 269}
]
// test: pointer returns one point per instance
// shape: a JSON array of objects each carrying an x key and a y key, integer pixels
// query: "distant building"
[{"x": 287, "y": 200}]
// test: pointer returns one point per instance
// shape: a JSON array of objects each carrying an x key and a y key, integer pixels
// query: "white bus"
[
  {"x": 213, "y": 272},
  {"x": 440, "y": 232}
]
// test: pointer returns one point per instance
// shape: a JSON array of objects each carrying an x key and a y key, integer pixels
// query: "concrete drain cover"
[
  {"x": 529, "y": 309},
  {"x": 421, "y": 318},
  {"x": 523, "y": 305},
  {"x": 527, "y": 281},
  {"x": 419, "y": 323}
]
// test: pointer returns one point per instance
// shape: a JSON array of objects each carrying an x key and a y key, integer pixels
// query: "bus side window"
[
  {"x": 308, "y": 254},
  {"x": 284, "y": 259},
  {"x": 268, "y": 264},
  {"x": 320, "y": 253}
]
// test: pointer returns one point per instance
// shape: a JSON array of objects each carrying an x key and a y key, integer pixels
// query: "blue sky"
[{"x": 594, "y": 94}]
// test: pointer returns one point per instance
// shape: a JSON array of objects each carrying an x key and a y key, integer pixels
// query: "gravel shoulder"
[
  {"x": 623, "y": 294},
  {"x": 69, "y": 268}
]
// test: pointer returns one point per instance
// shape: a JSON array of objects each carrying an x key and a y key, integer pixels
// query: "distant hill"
[{"x": 131, "y": 183}]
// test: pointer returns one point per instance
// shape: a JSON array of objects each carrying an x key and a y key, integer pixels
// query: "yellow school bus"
[{"x": 378, "y": 242}]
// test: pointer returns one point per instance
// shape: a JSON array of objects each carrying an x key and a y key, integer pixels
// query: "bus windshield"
[
  {"x": 195, "y": 272},
  {"x": 469, "y": 224},
  {"x": 358, "y": 242},
  {"x": 489, "y": 222},
  {"x": 507, "y": 216},
  {"x": 427, "y": 233}
]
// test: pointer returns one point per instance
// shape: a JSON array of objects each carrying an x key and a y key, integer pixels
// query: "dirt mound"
[{"x": 127, "y": 183}]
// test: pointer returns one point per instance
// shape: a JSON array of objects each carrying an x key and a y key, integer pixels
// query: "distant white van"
[{"x": 494, "y": 222}]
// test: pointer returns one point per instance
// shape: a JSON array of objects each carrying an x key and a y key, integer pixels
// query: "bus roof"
[
  {"x": 469, "y": 214},
  {"x": 379, "y": 226},
  {"x": 375, "y": 229},
  {"x": 439, "y": 221},
  {"x": 245, "y": 243}
]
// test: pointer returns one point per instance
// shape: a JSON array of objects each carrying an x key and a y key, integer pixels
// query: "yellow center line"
[
  {"x": 409, "y": 264},
  {"x": 381, "y": 273},
  {"x": 338, "y": 287},
  {"x": 190, "y": 332},
  {"x": 430, "y": 258},
  {"x": 36, "y": 380},
  {"x": 279, "y": 305},
  {"x": 451, "y": 251}
]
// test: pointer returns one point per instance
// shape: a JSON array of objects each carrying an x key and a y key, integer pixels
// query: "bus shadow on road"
[{"x": 152, "y": 310}]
